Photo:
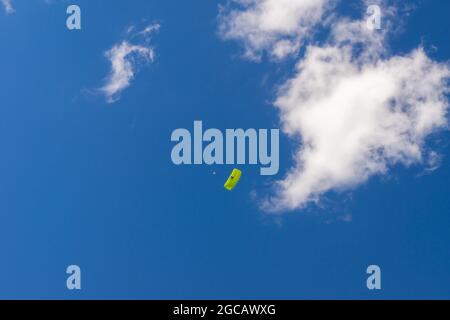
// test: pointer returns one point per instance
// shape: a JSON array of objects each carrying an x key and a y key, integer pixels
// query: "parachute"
[{"x": 233, "y": 179}]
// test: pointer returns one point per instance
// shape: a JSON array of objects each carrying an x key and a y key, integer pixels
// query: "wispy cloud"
[
  {"x": 7, "y": 4},
  {"x": 149, "y": 30},
  {"x": 275, "y": 27},
  {"x": 352, "y": 109},
  {"x": 9, "y": 7},
  {"x": 125, "y": 58},
  {"x": 123, "y": 67}
]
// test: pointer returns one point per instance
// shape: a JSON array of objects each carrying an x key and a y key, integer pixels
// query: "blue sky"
[{"x": 91, "y": 183}]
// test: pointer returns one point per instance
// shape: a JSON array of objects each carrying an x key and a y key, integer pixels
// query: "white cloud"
[
  {"x": 9, "y": 8},
  {"x": 7, "y": 4},
  {"x": 123, "y": 67},
  {"x": 356, "y": 113},
  {"x": 149, "y": 30},
  {"x": 433, "y": 162},
  {"x": 352, "y": 110},
  {"x": 277, "y": 27},
  {"x": 124, "y": 58}
]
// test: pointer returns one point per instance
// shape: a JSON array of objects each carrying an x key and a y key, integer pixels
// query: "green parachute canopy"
[{"x": 233, "y": 179}]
